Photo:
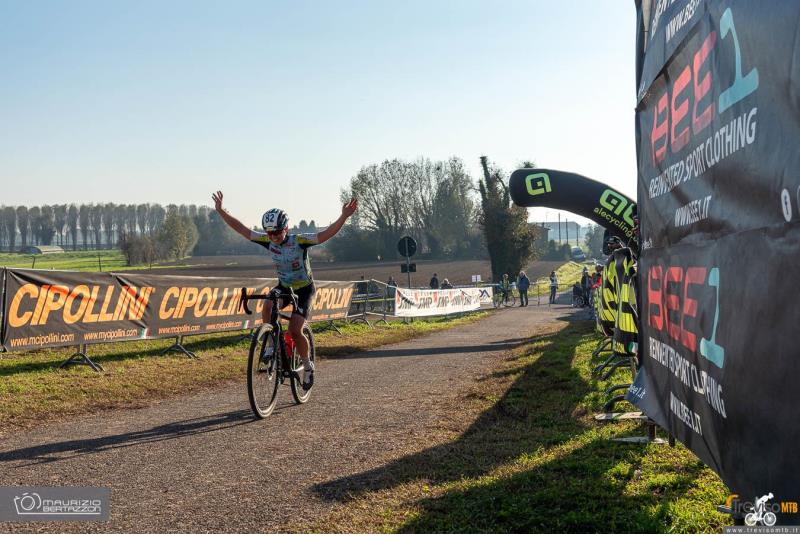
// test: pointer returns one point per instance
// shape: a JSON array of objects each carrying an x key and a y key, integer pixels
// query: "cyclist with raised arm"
[{"x": 290, "y": 254}]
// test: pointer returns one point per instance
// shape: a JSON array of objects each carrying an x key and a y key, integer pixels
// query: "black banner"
[
  {"x": 60, "y": 308},
  {"x": 719, "y": 199},
  {"x": 575, "y": 193}
]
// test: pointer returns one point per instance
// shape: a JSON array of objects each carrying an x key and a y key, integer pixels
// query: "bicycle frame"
[{"x": 274, "y": 296}]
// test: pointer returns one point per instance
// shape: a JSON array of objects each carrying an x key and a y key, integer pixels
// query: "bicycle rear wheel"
[
  {"x": 511, "y": 300},
  {"x": 262, "y": 371},
  {"x": 301, "y": 395}
]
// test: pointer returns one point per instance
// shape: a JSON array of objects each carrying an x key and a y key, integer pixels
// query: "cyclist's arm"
[
  {"x": 235, "y": 224},
  {"x": 229, "y": 219},
  {"x": 334, "y": 228}
]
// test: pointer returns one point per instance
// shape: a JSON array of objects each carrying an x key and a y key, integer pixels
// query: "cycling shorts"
[{"x": 304, "y": 297}]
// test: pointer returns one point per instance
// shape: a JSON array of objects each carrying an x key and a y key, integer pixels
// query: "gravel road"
[{"x": 202, "y": 463}]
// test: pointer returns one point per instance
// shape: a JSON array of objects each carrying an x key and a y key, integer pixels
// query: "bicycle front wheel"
[
  {"x": 262, "y": 371},
  {"x": 511, "y": 300},
  {"x": 301, "y": 395}
]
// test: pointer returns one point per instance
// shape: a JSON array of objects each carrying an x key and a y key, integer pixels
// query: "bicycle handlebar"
[{"x": 273, "y": 295}]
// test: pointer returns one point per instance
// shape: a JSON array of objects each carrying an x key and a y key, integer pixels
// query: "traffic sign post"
[{"x": 407, "y": 247}]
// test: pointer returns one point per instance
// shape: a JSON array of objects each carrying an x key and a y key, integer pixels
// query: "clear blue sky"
[{"x": 281, "y": 103}]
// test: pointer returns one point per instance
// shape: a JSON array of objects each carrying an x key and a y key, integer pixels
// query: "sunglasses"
[{"x": 274, "y": 233}]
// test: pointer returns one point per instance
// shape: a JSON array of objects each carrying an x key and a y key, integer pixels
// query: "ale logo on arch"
[{"x": 538, "y": 184}]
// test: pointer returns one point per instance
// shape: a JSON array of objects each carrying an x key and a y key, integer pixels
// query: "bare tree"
[
  {"x": 83, "y": 220},
  {"x": 381, "y": 192},
  {"x": 156, "y": 217},
  {"x": 141, "y": 218},
  {"x": 10, "y": 224},
  {"x": 47, "y": 225},
  {"x": 96, "y": 223},
  {"x": 33, "y": 223},
  {"x": 72, "y": 225},
  {"x": 60, "y": 221},
  {"x": 22, "y": 224},
  {"x": 431, "y": 200},
  {"x": 120, "y": 220},
  {"x": 3, "y": 240},
  {"x": 130, "y": 211},
  {"x": 108, "y": 223}
]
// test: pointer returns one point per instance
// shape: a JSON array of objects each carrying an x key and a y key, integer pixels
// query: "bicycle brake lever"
[{"x": 243, "y": 301}]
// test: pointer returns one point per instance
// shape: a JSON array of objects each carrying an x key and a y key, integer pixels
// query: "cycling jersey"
[{"x": 290, "y": 257}]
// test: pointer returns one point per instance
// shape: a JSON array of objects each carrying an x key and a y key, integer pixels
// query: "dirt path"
[{"x": 202, "y": 463}]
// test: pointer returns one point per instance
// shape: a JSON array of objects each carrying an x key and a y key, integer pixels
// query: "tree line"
[
  {"x": 450, "y": 215},
  {"x": 438, "y": 203},
  {"x": 86, "y": 226}
]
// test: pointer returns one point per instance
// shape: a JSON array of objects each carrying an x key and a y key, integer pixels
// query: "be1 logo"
[
  {"x": 686, "y": 107},
  {"x": 672, "y": 307},
  {"x": 538, "y": 184}
]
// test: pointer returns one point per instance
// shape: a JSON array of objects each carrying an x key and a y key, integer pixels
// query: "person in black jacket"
[{"x": 435, "y": 281}]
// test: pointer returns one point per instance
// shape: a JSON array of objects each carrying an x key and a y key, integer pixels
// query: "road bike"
[{"x": 274, "y": 358}]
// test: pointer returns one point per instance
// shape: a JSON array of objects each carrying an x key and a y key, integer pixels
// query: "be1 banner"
[
  {"x": 718, "y": 125},
  {"x": 426, "y": 302},
  {"x": 60, "y": 308}
]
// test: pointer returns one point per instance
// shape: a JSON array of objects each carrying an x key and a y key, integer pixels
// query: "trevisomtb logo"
[
  {"x": 762, "y": 511},
  {"x": 537, "y": 184}
]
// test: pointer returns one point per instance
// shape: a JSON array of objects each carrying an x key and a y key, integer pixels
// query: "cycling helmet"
[
  {"x": 275, "y": 220},
  {"x": 610, "y": 243}
]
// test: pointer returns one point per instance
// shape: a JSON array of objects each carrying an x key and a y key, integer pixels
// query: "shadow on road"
[
  {"x": 530, "y": 463},
  {"x": 53, "y": 452},
  {"x": 429, "y": 351},
  {"x": 542, "y": 400}
]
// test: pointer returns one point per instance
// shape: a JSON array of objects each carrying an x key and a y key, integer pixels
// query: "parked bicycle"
[
  {"x": 503, "y": 298},
  {"x": 274, "y": 358}
]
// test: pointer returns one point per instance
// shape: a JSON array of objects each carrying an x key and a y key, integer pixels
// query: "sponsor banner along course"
[{"x": 61, "y": 308}]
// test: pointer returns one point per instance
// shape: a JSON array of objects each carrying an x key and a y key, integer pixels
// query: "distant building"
[{"x": 569, "y": 229}]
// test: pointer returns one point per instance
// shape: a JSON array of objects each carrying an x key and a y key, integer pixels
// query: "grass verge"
[
  {"x": 32, "y": 388},
  {"x": 531, "y": 458},
  {"x": 81, "y": 260},
  {"x": 89, "y": 260}
]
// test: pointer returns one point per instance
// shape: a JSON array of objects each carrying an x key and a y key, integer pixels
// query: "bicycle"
[
  {"x": 273, "y": 357},
  {"x": 503, "y": 298}
]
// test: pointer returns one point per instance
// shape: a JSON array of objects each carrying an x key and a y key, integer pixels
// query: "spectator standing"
[
  {"x": 597, "y": 279},
  {"x": 553, "y": 286},
  {"x": 435, "y": 281},
  {"x": 391, "y": 286},
  {"x": 361, "y": 286},
  {"x": 586, "y": 283},
  {"x": 505, "y": 287},
  {"x": 523, "y": 283},
  {"x": 446, "y": 284}
]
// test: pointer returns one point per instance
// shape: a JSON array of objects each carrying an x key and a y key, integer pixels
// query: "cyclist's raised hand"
[
  {"x": 217, "y": 197},
  {"x": 350, "y": 208}
]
